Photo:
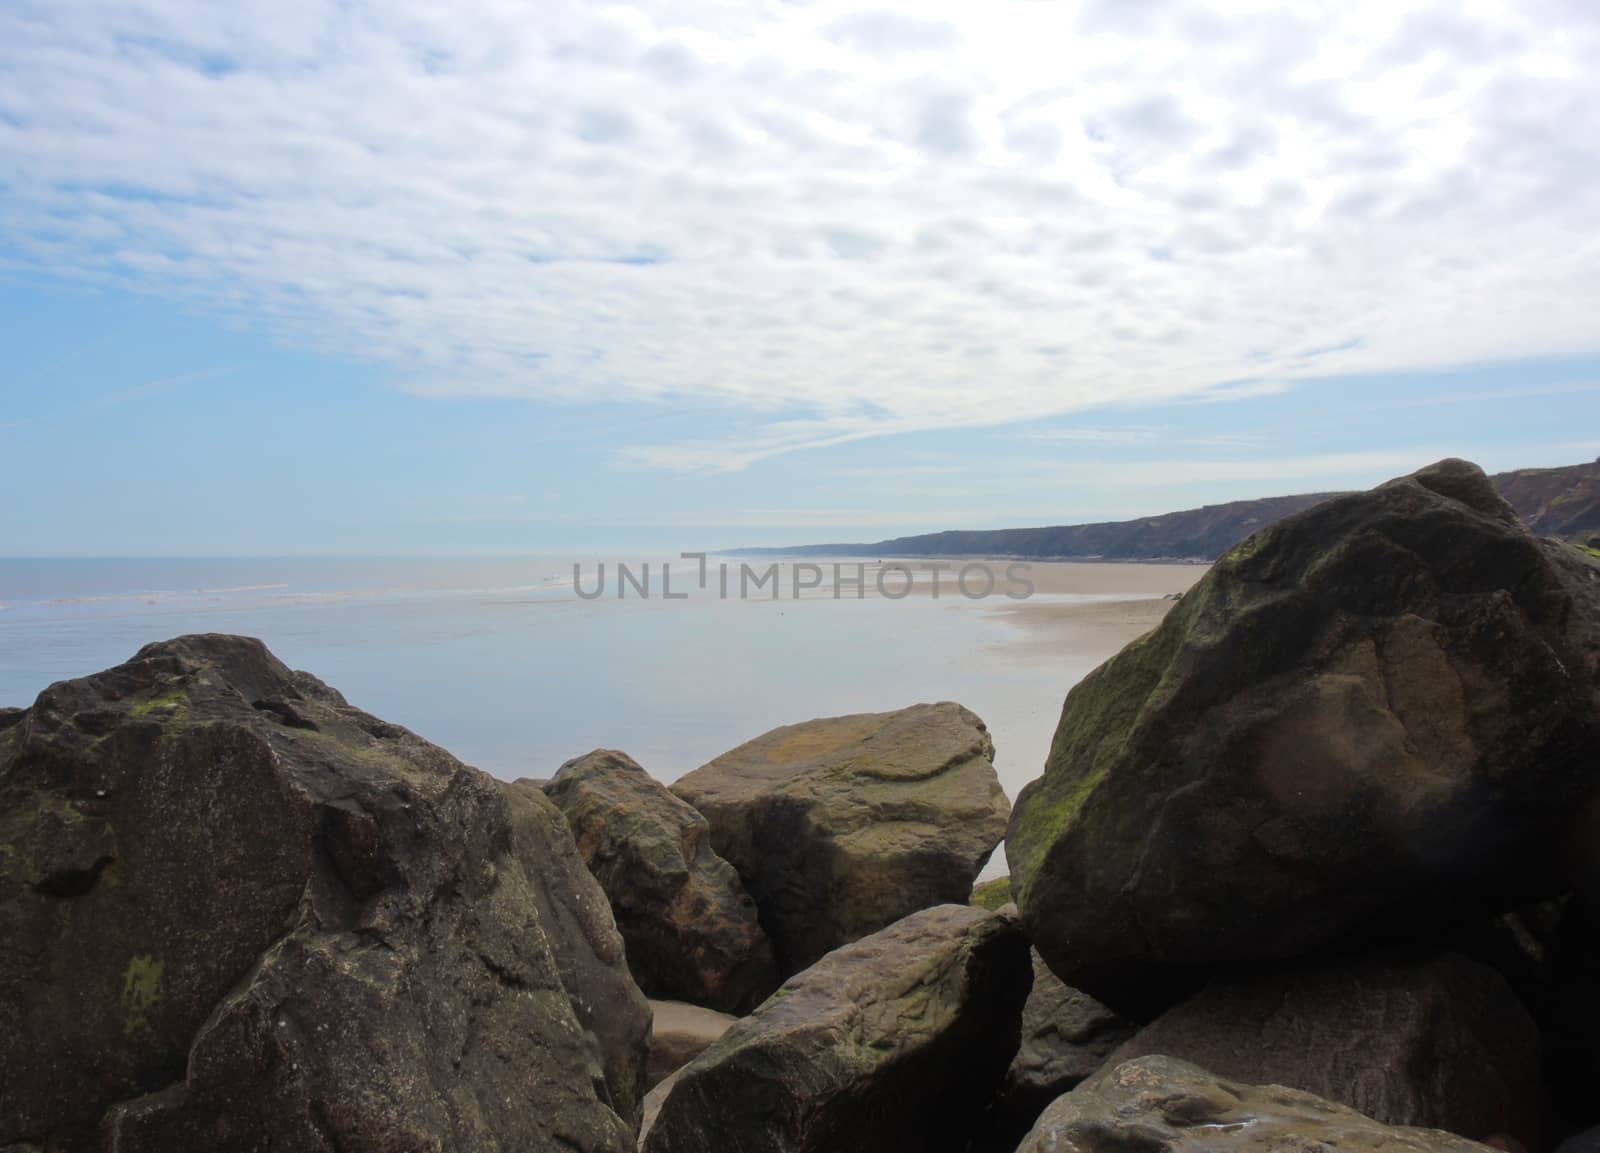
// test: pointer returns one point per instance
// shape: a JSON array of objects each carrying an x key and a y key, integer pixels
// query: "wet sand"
[
  {"x": 1128, "y": 600},
  {"x": 1082, "y": 612}
]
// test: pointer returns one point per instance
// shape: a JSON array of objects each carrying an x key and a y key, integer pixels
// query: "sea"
[{"x": 516, "y": 665}]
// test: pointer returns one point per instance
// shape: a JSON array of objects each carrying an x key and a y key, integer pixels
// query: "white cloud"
[
  {"x": 1143, "y": 434},
  {"x": 842, "y": 220}
]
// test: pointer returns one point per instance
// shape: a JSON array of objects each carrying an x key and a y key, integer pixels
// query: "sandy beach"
[
  {"x": 1055, "y": 620},
  {"x": 1075, "y": 614},
  {"x": 1078, "y": 610}
]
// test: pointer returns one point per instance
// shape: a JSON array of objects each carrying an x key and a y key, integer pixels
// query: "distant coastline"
[
  {"x": 1563, "y": 502},
  {"x": 996, "y": 557}
]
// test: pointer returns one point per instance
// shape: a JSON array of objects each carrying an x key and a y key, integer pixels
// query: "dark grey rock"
[
  {"x": 1372, "y": 716},
  {"x": 1439, "y": 1042},
  {"x": 240, "y": 914},
  {"x": 897, "y": 1041},
  {"x": 1163, "y": 1105},
  {"x": 691, "y": 930}
]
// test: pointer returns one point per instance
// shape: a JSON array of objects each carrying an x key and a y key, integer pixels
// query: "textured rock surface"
[
  {"x": 1440, "y": 1042},
  {"x": 679, "y": 1034},
  {"x": 1379, "y": 711},
  {"x": 1066, "y": 1037},
  {"x": 894, "y": 1042},
  {"x": 584, "y": 942},
  {"x": 1163, "y": 1105},
  {"x": 690, "y": 928},
  {"x": 241, "y": 914},
  {"x": 843, "y": 825}
]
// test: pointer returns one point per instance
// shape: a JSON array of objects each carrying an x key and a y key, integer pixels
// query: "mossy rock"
[
  {"x": 995, "y": 894},
  {"x": 1376, "y": 713}
]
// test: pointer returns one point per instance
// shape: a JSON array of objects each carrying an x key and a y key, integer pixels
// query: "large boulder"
[
  {"x": 679, "y": 1034},
  {"x": 1377, "y": 713},
  {"x": 895, "y": 1042},
  {"x": 690, "y": 928},
  {"x": 240, "y": 914},
  {"x": 1440, "y": 1042},
  {"x": 841, "y": 826},
  {"x": 1163, "y": 1105}
]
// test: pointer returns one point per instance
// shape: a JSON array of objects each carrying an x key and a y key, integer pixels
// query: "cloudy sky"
[{"x": 350, "y": 276}]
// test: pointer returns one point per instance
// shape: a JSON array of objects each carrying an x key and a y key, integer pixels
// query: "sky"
[{"x": 339, "y": 276}]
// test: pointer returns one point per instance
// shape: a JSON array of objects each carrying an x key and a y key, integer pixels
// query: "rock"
[
  {"x": 690, "y": 928},
  {"x": 680, "y": 1033},
  {"x": 992, "y": 895},
  {"x": 1439, "y": 1042},
  {"x": 1569, "y": 1012},
  {"x": 1163, "y": 1105},
  {"x": 588, "y": 951},
  {"x": 897, "y": 1041},
  {"x": 1066, "y": 1037},
  {"x": 1376, "y": 713},
  {"x": 841, "y": 826},
  {"x": 1586, "y": 1142},
  {"x": 241, "y": 914},
  {"x": 9, "y": 717}
]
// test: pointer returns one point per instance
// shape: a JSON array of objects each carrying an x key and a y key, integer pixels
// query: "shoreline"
[{"x": 1050, "y": 631}]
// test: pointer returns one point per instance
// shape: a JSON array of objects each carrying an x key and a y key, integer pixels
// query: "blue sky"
[{"x": 341, "y": 278}]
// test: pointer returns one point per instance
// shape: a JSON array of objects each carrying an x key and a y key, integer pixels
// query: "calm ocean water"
[{"x": 500, "y": 662}]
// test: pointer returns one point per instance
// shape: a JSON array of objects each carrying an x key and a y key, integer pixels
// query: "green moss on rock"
[
  {"x": 141, "y": 992},
  {"x": 1195, "y": 809},
  {"x": 169, "y": 704},
  {"x": 993, "y": 894}
]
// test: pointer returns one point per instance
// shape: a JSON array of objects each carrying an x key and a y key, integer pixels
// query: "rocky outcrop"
[
  {"x": 1163, "y": 1105},
  {"x": 1067, "y": 1036},
  {"x": 1374, "y": 714},
  {"x": 1436, "y": 1042},
  {"x": 242, "y": 914},
  {"x": 894, "y": 1042},
  {"x": 841, "y": 826},
  {"x": 679, "y": 1034},
  {"x": 690, "y": 928}
]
